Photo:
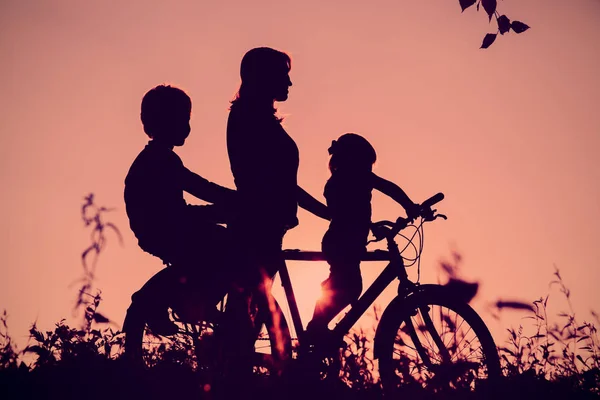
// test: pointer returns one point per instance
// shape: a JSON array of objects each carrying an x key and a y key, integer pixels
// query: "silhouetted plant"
[
  {"x": 65, "y": 344},
  {"x": 564, "y": 351},
  {"x": 92, "y": 216},
  {"x": 357, "y": 366},
  {"x": 504, "y": 23},
  {"x": 8, "y": 353}
]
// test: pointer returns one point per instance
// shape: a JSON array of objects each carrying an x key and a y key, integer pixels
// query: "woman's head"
[
  {"x": 351, "y": 152},
  {"x": 265, "y": 75}
]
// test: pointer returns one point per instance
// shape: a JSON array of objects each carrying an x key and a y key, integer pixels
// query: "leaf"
[
  {"x": 116, "y": 230},
  {"x": 503, "y": 24},
  {"x": 511, "y": 304},
  {"x": 37, "y": 335},
  {"x": 539, "y": 335},
  {"x": 101, "y": 319},
  {"x": 506, "y": 350},
  {"x": 465, "y": 291},
  {"x": 488, "y": 40},
  {"x": 489, "y": 6},
  {"x": 464, "y": 4},
  {"x": 518, "y": 26},
  {"x": 40, "y": 351}
]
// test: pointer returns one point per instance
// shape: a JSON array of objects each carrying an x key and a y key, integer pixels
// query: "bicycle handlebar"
[
  {"x": 425, "y": 212},
  {"x": 432, "y": 200}
]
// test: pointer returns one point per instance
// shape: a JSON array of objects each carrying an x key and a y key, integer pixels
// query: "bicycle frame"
[{"x": 394, "y": 269}]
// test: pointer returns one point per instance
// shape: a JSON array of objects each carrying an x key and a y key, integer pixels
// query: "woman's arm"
[
  {"x": 312, "y": 205},
  {"x": 397, "y": 194}
]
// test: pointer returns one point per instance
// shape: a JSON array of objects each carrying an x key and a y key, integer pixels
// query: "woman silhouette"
[{"x": 264, "y": 161}]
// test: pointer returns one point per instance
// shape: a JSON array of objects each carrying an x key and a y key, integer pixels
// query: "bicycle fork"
[
  {"x": 429, "y": 327},
  {"x": 404, "y": 288}
]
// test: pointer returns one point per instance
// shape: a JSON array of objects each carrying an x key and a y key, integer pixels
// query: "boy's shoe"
[
  {"x": 160, "y": 323},
  {"x": 155, "y": 314}
]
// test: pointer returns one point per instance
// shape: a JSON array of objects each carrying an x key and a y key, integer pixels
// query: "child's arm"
[
  {"x": 203, "y": 189},
  {"x": 395, "y": 192},
  {"x": 312, "y": 205}
]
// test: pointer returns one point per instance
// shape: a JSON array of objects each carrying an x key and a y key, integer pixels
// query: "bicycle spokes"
[{"x": 437, "y": 347}]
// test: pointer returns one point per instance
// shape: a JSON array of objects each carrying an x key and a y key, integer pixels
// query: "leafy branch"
[{"x": 504, "y": 23}]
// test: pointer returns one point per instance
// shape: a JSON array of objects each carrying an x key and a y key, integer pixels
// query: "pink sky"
[{"x": 511, "y": 134}]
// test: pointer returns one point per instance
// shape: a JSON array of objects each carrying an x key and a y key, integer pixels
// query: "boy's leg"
[
  {"x": 208, "y": 269},
  {"x": 193, "y": 279},
  {"x": 151, "y": 302}
]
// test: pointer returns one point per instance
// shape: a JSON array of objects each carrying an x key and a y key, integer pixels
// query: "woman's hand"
[{"x": 312, "y": 205}]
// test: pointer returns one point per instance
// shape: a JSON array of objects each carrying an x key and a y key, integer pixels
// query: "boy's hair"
[
  {"x": 351, "y": 151},
  {"x": 160, "y": 105}
]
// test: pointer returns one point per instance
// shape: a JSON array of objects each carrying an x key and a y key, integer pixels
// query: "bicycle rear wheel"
[
  {"x": 200, "y": 344},
  {"x": 432, "y": 341}
]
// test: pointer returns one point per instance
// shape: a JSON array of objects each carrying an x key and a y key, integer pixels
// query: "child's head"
[
  {"x": 166, "y": 114},
  {"x": 351, "y": 152}
]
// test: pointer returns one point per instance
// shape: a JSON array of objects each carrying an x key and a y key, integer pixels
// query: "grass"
[{"x": 560, "y": 360}]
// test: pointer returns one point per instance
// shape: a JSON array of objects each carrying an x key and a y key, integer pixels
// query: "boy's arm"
[
  {"x": 395, "y": 192},
  {"x": 312, "y": 205},
  {"x": 205, "y": 190},
  {"x": 211, "y": 213}
]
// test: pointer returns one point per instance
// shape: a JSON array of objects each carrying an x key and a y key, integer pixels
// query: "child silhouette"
[
  {"x": 348, "y": 194},
  {"x": 187, "y": 238}
]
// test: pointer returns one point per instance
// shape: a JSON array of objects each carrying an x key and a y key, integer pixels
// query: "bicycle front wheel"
[{"x": 431, "y": 340}]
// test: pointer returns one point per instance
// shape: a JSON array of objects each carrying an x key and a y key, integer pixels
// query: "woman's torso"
[{"x": 264, "y": 161}]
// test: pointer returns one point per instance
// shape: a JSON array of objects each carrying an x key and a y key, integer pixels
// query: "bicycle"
[{"x": 408, "y": 345}]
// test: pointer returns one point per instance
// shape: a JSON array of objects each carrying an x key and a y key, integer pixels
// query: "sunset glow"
[{"x": 510, "y": 134}]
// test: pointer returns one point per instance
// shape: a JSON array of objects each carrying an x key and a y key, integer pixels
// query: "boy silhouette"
[{"x": 187, "y": 238}]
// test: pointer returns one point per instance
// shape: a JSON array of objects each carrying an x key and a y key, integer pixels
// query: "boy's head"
[
  {"x": 352, "y": 152},
  {"x": 166, "y": 114}
]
